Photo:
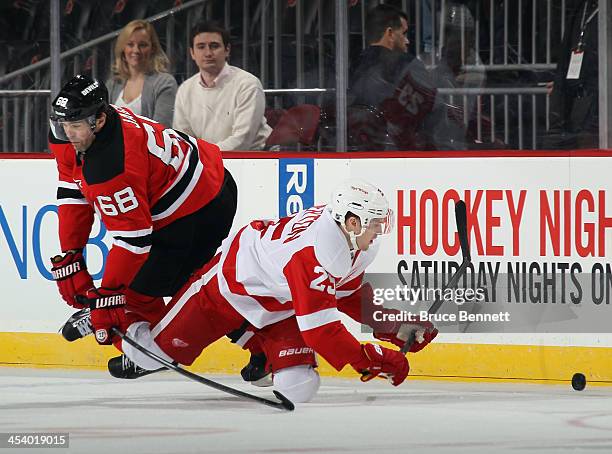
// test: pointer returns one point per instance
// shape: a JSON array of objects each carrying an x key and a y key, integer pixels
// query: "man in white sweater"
[{"x": 221, "y": 104}]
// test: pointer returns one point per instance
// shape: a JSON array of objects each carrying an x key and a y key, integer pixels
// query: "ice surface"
[{"x": 166, "y": 413}]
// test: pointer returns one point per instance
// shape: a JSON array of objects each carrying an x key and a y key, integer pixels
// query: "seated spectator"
[
  {"x": 221, "y": 103},
  {"x": 141, "y": 81},
  {"x": 392, "y": 81}
]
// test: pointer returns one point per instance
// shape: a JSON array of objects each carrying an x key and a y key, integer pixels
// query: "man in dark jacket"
[{"x": 392, "y": 100}]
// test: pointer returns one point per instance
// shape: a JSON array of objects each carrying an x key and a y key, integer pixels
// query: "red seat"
[
  {"x": 299, "y": 124},
  {"x": 367, "y": 129},
  {"x": 273, "y": 116}
]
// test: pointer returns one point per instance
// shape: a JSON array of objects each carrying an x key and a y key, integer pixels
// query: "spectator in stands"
[
  {"x": 390, "y": 82},
  {"x": 221, "y": 102},
  {"x": 574, "y": 106},
  {"x": 141, "y": 81}
]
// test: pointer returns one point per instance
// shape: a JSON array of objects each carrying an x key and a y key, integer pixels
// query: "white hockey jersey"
[{"x": 270, "y": 271}]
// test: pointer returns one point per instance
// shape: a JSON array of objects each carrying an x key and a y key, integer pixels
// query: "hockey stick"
[
  {"x": 284, "y": 404},
  {"x": 461, "y": 221}
]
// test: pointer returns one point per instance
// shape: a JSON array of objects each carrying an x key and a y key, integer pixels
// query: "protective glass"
[
  {"x": 383, "y": 226},
  {"x": 62, "y": 130}
]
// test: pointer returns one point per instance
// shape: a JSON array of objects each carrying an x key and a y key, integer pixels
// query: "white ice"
[{"x": 166, "y": 413}]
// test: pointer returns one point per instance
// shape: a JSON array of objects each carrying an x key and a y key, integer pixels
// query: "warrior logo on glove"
[
  {"x": 67, "y": 271},
  {"x": 70, "y": 273},
  {"x": 107, "y": 311},
  {"x": 108, "y": 301}
]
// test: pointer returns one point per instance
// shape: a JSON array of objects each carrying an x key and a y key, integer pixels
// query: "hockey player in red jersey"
[
  {"x": 164, "y": 196},
  {"x": 288, "y": 280}
]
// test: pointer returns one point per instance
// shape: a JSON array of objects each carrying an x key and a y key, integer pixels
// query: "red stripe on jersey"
[
  {"x": 229, "y": 272},
  {"x": 334, "y": 343},
  {"x": 357, "y": 303},
  {"x": 197, "y": 275},
  {"x": 351, "y": 285},
  {"x": 309, "y": 283},
  {"x": 280, "y": 226},
  {"x": 75, "y": 221},
  {"x": 75, "y": 233},
  {"x": 121, "y": 267},
  {"x": 360, "y": 307},
  {"x": 198, "y": 291}
]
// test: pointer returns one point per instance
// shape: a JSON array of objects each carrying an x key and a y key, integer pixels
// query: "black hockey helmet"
[{"x": 82, "y": 98}]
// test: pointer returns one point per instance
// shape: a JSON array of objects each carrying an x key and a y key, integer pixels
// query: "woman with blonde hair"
[{"x": 140, "y": 79}]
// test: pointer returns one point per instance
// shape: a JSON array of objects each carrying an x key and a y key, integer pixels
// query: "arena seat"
[
  {"x": 299, "y": 125},
  {"x": 367, "y": 129}
]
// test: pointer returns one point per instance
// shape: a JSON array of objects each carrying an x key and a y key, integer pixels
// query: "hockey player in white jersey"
[{"x": 287, "y": 281}]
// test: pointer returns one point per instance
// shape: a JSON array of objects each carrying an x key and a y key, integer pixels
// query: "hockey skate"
[
  {"x": 123, "y": 367},
  {"x": 255, "y": 372},
  {"x": 78, "y": 325}
]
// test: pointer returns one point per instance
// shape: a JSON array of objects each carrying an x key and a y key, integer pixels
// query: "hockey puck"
[{"x": 578, "y": 381}]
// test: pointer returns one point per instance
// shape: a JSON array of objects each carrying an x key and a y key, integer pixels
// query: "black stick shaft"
[
  {"x": 284, "y": 403},
  {"x": 461, "y": 221}
]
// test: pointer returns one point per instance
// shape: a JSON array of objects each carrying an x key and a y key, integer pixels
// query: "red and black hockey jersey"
[{"x": 138, "y": 176}]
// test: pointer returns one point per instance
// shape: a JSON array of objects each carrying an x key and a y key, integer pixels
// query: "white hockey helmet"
[{"x": 365, "y": 201}]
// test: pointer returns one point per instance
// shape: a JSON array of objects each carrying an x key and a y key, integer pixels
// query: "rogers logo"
[{"x": 295, "y": 351}]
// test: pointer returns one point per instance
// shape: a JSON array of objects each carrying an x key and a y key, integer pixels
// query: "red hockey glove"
[
  {"x": 383, "y": 362},
  {"x": 107, "y": 311},
  {"x": 425, "y": 332},
  {"x": 70, "y": 273}
]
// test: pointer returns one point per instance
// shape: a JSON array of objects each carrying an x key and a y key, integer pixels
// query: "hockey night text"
[{"x": 569, "y": 222}]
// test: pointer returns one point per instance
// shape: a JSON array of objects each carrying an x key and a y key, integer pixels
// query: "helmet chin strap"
[
  {"x": 353, "y": 240},
  {"x": 352, "y": 237}
]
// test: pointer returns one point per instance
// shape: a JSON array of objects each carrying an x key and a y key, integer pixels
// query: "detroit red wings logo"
[{"x": 179, "y": 343}]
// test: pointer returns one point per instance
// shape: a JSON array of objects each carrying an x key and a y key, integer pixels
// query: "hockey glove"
[
  {"x": 424, "y": 331},
  {"x": 107, "y": 311},
  {"x": 70, "y": 273},
  {"x": 384, "y": 362}
]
